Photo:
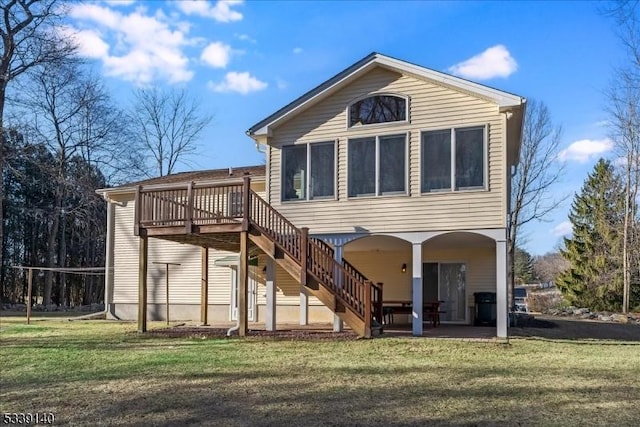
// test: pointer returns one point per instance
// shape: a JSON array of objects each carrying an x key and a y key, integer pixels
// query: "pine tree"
[
  {"x": 595, "y": 277},
  {"x": 523, "y": 267}
]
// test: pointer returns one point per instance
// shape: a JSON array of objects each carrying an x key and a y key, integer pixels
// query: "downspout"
[
  {"x": 234, "y": 328},
  {"x": 109, "y": 259}
]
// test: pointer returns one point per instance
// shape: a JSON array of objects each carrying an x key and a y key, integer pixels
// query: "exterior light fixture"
[{"x": 404, "y": 268}]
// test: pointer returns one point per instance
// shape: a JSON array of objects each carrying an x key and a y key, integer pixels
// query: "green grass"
[{"x": 103, "y": 373}]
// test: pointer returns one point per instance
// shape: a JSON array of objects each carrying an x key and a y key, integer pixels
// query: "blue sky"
[{"x": 245, "y": 60}]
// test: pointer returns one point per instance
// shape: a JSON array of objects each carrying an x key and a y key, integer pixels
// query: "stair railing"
[{"x": 196, "y": 204}]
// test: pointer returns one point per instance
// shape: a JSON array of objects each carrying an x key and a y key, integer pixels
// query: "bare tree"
[
  {"x": 536, "y": 174},
  {"x": 547, "y": 267},
  {"x": 624, "y": 123},
  {"x": 167, "y": 125},
  {"x": 72, "y": 115},
  {"x": 29, "y": 39}
]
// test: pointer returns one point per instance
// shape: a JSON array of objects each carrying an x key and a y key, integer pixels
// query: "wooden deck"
[{"x": 232, "y": 217}]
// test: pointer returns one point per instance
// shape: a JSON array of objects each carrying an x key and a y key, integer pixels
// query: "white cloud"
[
  {"x": 243, "y": 83},
  {"x": 98, "y": 14},
  {"x": 493, "y": 62},
  {"x": 586, "y": 149},
  {"x": 216, "y": 54},
  {"x": 119, "y": 2},
  {"x": 143, "y": 47},
  {"x": 90, "y": 43},
  {"x": 297, "y": 50},
  {"x": 563, "y": 229},
  {"x": 222, "y": 11}
]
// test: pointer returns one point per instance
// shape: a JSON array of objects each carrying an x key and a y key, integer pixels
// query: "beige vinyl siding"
[
  {"x": 431, "y": 107},
  {"x": 184, "y": 280}
]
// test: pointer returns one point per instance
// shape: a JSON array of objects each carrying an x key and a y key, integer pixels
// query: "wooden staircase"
[{"x": 201, "y": 210}]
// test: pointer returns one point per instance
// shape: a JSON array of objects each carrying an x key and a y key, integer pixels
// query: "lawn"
[{"x": 104, "y": 373}]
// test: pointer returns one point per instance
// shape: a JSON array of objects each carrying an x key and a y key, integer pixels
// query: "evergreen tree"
[
  {"x": 523, "y": 267},
  {"x": 595, "y": 277}
]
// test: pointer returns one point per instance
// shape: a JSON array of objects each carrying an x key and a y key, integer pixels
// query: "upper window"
[
  {"x": 454, "y": 159},
  {"x": 378, "y": 109},
  {"x": 308, "y": 171},
  {"x": 377, "y": 165}
]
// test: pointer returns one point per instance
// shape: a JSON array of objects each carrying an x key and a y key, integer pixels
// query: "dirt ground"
[
  {"x": 567, "y": 328},
  {"x": 544, "y": 327}
]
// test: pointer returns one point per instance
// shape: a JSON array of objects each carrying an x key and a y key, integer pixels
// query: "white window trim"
[
  {"x": 485, "y": 160},
  {"x": 308, "y": 171},
  {"x": 376, "y": 138},
  {"x": 407, "y": 119}
]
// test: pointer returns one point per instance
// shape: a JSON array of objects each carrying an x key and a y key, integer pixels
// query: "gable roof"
[{"x": 504, "y": 100}]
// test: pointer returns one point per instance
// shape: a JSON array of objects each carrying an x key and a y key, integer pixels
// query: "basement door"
[
  {"x": 235, "y": 288},
  {"x": 446, "y": 282}
]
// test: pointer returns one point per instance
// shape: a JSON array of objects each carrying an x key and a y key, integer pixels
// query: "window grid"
[
  {"x": 377, "y": 165},
  {"x": 306, "y": 185},
  {"x": 453, "y": 144}
]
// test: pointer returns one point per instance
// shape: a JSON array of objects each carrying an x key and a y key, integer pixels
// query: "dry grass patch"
[{"x": 101, "y": 373}]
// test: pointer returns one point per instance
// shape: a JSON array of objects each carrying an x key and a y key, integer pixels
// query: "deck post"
[
  {"x": 502, "y": 314},
  {"x": 416, "y": 315},
  {"x": 246, "y": 205},
  {"x": 243, "y": 287},
  {"x": 138, "y": 211},
  {"x": 367, "y": 309},
  {"x": 270, "y": 315},
  {"x": 142, "y": 284},
  {"x": 338, "y": 325},
  {"x": 204, "y": 291},
  {"x": 188, "y": 217},
  {"x": 304, "y": 246},
  {"x": 166, "y": 272}
]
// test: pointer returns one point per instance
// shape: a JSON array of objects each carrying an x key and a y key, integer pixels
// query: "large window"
[
  {"x": 453, "y": 159},
  {"x": 378, "y": 109},
  {"x": 308, "y": 171},
  {"x": 377, "y": 165}
]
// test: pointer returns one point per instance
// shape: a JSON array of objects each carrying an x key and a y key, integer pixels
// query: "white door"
[{"x": 251, "y": 303}]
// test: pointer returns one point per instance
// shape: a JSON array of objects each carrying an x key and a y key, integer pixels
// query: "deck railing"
[
  {"x": 204, "y": 204},
  {"x": 189, "y": 204},
  {"x": 376, "y": 290}
]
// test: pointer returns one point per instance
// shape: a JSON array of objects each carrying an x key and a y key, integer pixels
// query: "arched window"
[{"x": 378, "y": 109}]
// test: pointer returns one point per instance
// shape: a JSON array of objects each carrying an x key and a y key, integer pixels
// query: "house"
[{"x": 388, "y": 182}]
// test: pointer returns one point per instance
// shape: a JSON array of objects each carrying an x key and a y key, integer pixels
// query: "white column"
[
  {"x": 270, "y": 315},
  {"x": 501, "y": 290},
  {"x": 337, "y": 321},
  {"x": 109, "y": 251},
  {"x": 304, "y": 306},
  {"x": 417, "y": 289}
]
